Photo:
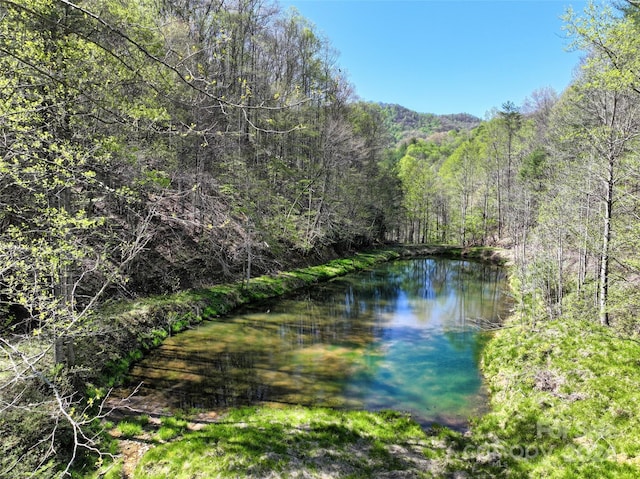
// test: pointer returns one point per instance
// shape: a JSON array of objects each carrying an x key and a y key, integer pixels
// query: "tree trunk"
[{"x": 606, "y": 239}]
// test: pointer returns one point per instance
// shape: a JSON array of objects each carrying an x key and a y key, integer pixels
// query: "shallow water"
[{"x": 404, "y": 336}]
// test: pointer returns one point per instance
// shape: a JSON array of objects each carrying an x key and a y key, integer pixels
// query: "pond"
[{"x": 403, "y": 336}]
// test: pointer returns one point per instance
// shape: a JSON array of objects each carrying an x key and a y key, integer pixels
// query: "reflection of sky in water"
[
  {"x": 415, "y": 366},
  {"x": 396, "y": 337}
]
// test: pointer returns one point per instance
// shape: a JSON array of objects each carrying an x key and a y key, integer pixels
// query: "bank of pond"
[{"x": 408, "y": 368}]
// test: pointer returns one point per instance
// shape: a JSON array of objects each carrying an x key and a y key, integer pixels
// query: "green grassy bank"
[
  {"x": 295, "y": 442},
  {"x": 565, "y": 403}
]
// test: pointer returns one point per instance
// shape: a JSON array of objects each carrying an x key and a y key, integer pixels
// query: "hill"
[{"x": 405, "y": 124}]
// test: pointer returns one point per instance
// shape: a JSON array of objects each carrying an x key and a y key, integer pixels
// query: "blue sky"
[{"x": 447, "y": 56}]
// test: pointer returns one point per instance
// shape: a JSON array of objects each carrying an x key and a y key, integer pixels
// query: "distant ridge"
[{"x": 405, "y": 124}]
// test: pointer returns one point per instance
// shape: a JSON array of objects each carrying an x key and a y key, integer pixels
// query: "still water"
[{"x": 404, "y": 336}]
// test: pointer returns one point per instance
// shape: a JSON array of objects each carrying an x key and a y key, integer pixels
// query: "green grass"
[
  {"x": 171, "y": 427},
  {"x": 565, "y": 402},
  {"x": 130, "y": 429},
  {"x": 296, "y": 442},
  {"x": 113, "y": 470}
]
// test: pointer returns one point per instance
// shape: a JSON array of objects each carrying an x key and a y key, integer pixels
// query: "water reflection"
[{"x": 402, "y": 336}]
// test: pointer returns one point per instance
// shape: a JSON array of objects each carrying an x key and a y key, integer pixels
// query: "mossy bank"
[{"x": 565, "y": 403}]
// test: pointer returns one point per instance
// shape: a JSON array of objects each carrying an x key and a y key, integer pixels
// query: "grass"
[
  {"x": 171, "y": 427},
  {"x": 565, "y": 402},
  {"x": 295, "y": 442},
  {"x": 129, "y": 429},
  {"x": 132, "y": 427}
]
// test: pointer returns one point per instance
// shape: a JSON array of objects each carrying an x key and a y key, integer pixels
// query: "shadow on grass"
[{"x": 295, "y": 442}]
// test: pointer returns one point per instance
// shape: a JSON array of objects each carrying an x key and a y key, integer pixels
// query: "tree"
[
  {"x": 76, "y": 93},
  {"x": 607, "y": 95},
  {"x": 462, "y": 172},
  {"x": 425, "y": 201},
  {"x": 611, "y": 40},
  {"x": 511, "y": 118}
]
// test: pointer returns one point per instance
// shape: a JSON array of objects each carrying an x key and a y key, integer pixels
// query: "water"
[{"x": 404, "y": 336}]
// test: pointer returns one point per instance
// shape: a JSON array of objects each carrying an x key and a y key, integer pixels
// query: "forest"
[{"x": 156, "y": 146}]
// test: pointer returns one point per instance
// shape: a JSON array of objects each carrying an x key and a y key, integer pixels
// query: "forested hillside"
[
  {"x": 404, "y": 124},
  {"x": 159, "y": 145}
]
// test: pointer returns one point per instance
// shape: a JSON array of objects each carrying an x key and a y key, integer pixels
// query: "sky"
[{"x": 447, "y": 56}]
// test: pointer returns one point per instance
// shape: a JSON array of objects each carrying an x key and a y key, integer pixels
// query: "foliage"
[
  {"x": 406, "y": 125},
  {"x": 425, "y": 205}
]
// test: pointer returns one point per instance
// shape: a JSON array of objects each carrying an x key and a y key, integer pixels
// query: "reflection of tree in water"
[
  {"x": 429, "y": 278},
  {"x": 346, "y": 311},
  {"x": 187, "y": 380},
  {"x": 459, "y": 293},
  {"x": 306, "y": 348}
]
